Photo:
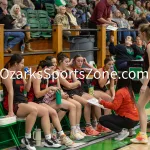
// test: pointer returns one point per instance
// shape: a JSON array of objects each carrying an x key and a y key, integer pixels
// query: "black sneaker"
[
  {"x": 51, "y": 143},
  {"x": 28, "y": 143}
]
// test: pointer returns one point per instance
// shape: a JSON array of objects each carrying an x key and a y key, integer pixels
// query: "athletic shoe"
[
  {"x": 103, "y": 129},
  {"x": 28, "y": 143},
  {"x": 65, "y": 140},
  {"x": 82, "y": 133},
  {"x": 132, "y": 132},
  {"x": 90, "y": 131},
  {"x": 140, "y": 139},
  {"x": 75, "y": 135},
  {"x": 94, "y": 124},
  {"x": 51, "y": 143},
  {"x": 122, "y": 135}
]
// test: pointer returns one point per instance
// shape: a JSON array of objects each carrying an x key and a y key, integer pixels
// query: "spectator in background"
[
  {"x": 92, "y": 5},
  {"x": 61, "y": 18},
  {"x": 147, "y": 10},
  {"x": 60, "y": 3},
  {"x": 25, "y": 4},
  {"x": 123, "y": 9},
  {"x": 147, "y": 6},
  {"x": 73, "y": 2},
  {"x": 8, "y": 22},
  {"x": 132, "y": 18},
  {"x": 82, "y": 12},
  {"x": 71, "y": 18},
  {"x": 21, "y": 23},
  {"x": 131, "y": 8},
  {"x": 124, "y": 53},
  {"x": 101, "y": 15},
  {"x": 139, "y": 45},
  {"x": 141, "y": 20},
  {"x": 122, "y": 24},
  {"x": 138, "y": 7}
]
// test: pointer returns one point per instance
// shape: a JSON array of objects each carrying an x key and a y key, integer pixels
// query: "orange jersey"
[{"x": 123, "y": 105}]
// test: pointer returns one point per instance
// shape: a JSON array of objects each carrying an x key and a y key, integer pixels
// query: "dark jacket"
[
  {"x": 6, "y": 20},
  {"x": 140, "y": 50},
  {"x": 124, "y": 53}
]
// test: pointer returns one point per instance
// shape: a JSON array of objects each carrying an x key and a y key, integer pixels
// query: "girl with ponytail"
[
  {"x": 144, "y": 33},
  {"x": 72, "y": 87},
  {"x": 40, "y": 90},
  {"x": 16, "y": 104}
]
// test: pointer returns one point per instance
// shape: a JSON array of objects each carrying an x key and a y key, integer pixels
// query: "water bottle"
[
  {"x": 54, "y": 134},
  {"x": 91, "y": 90},
  {"x": 94, "y": 65},
  {"x": 37, "y": 137},
  {"x": 22, "y": 48},
  {"x": 26, "y": 69},
  {"x": 25, "y": 93}
]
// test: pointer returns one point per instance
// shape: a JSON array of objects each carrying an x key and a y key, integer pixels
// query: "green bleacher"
[{"x": 39, "y": 19}]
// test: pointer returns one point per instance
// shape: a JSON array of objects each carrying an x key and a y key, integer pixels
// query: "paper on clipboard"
[
  {"x": 111, "y": 28},
  {"x": 94, "y": 101}
]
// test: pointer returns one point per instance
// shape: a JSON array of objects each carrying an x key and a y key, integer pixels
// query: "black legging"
[{"x": 117, "y": 123}]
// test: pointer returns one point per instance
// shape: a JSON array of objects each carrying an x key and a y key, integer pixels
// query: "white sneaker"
[
  {"x": 122, "y": 135},
  {"x": 75, "y": 135},
  {"x": 28, "y": 143},
  {"x": 132, "y": 132},
  {"x": 51, "y": 143}
]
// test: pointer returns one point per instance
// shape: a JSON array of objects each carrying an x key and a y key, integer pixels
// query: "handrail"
[
  {"x": 27, "y": 30},
  {"x": 121, "y": 30},
  {"x": 46, "y": 30},
  {"x": 57, "y": 40},
  {"x": 80, "y": 30},
  {"x": 72, "y": 51}
]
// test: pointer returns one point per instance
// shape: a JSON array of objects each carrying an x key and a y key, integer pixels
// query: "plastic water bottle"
[
  {"x": 22, "y": 48},
  {"x": 54, "y": 134},
  {"x": 94, "y": 65},
  {"x": 26, "y": 69},
  {"x": 25, "y": 93},
  {"x": 91, "y": 89}
]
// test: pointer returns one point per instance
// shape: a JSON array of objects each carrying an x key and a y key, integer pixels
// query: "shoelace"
[
  {"x": 68, "y": 139},
  {"x": 31, "y": 142},
  {"x": 54, "y": 141},
  {"x": 91, "y": 131}
]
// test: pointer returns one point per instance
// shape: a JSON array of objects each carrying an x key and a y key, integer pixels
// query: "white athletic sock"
[
  {"x": 73, "y": 129},
  {"x": 48, "y": 137},
  {"x": 61, "y": 133},
  {"x": 78, "y": 126},
  {"x": 28, "y": 135}
]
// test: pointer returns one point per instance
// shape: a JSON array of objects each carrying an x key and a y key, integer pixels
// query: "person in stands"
[
  {"x": 25, "y": 4},
  {"x": 123, "y": 53},
  {"x": 21, "y": 23},
  {"x": 8, "y": 21}
]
